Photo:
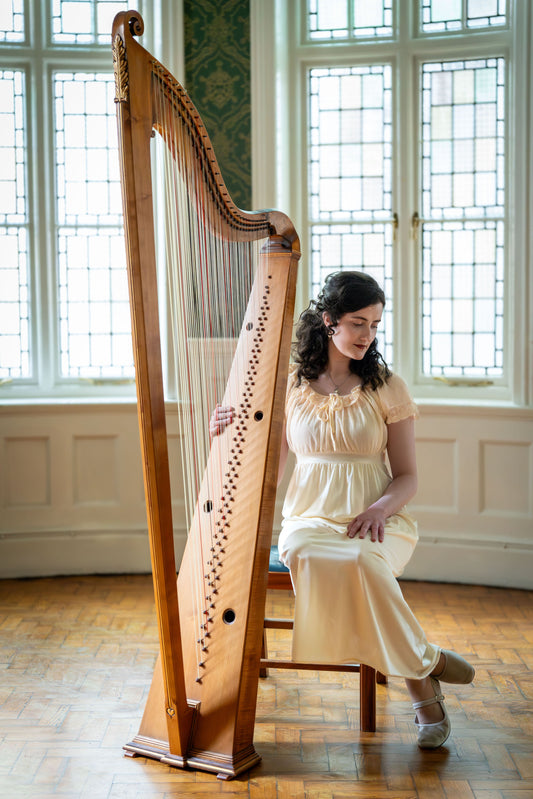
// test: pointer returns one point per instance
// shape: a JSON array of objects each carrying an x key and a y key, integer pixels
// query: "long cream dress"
[{"x": 349, "y": 607}]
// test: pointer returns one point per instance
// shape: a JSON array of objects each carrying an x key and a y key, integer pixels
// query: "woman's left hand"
[{"x": 370, "y": 522}]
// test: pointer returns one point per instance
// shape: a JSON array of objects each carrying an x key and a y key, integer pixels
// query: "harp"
[{"x": 231, "y": 299}]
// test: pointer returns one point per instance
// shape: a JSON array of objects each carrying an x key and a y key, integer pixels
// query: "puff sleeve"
[{"x": 395, "y": 401}]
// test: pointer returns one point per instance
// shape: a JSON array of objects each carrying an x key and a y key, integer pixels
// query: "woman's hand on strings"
[
  {"x": 371, "y": 522},
  {"x": 221, "y": 417}
]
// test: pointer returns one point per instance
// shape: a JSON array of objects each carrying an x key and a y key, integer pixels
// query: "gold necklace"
[{"x": 337, "y": 387}]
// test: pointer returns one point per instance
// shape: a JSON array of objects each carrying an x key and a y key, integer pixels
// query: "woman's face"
[{"x": 354, "y": 332}]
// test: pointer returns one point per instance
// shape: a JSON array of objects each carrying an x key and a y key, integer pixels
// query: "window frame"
[
  {"x": 39, "y": 58},
  {"x": 294, "y": 55}
]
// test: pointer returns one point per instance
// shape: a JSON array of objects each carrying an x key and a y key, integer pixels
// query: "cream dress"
[{"x": 348, "y": 607}]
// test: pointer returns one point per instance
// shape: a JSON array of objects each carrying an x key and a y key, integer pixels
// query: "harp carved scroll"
[{"x": 230, "y": 295}]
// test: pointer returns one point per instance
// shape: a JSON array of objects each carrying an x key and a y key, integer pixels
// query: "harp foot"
[
  {"x": 225, "y": 767},
  {"x": 143, "y": 746}
]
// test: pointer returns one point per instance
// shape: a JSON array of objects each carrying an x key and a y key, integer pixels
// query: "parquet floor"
[{"x": 76, "y": 658}]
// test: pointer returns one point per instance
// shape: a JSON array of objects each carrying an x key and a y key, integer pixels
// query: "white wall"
[{"x": 72, "y": 499}]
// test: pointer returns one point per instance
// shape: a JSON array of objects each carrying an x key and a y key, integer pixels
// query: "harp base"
[{"x": 224, "y": 766}]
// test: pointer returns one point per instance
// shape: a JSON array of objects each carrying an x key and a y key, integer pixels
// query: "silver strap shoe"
[{"x": 431, "y": 736}]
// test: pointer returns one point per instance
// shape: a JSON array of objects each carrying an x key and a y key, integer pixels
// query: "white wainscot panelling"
[
  {"x": 474, "y": 504},
  {"x": 72, "y": 496},
  {"x": 26, "y": 471},
  {"x": 95, "y": 470},
  {"x": 438, "y": 474},
  {"x": 71, "y": 491},
  {"x": 500, "y": 495}
]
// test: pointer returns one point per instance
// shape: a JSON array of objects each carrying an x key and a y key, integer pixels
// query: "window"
[
  {"x": 412, "y": 173},
  {"x": 350, "y": 175},
  {"x": 64, "y": 308}
]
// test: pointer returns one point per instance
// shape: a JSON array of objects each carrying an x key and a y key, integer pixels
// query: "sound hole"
[
  {"x": 208, "y": 506},
  {"x": 258, "y": 415},
  {"x": 228, "y": 617}
]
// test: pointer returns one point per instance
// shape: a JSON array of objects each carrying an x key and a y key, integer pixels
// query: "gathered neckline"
[{"x": 334, "y": 400}]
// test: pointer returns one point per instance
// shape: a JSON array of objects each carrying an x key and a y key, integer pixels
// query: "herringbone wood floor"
[{"x": 76, "y": 660}]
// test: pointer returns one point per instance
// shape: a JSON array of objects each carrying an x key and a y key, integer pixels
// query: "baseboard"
[
  {"x": 474, "y": 563},
  {"x": 57, "y": 552},
  {"x": 436, "y": 559}
]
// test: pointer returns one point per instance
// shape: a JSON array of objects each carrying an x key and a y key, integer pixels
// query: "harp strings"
[{"x": 210, "y": 275}]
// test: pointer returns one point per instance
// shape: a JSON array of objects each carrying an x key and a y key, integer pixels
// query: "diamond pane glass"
[
  {"x": 14, "y": 279},
  {"x": 84, "y": 21},
  {"x": 463, "y": 129},
  {"x": 347, "y": 19},
  {"x": 463, "y": 288},
  {"x": 95, "y": 337},
  {"x": 361, "y": 247},
  {"x": 460, "y": 15},
  {"x": 12, "y": 21}
]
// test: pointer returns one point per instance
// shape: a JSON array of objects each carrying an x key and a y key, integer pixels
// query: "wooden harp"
[{"x": 200, "y": 710}]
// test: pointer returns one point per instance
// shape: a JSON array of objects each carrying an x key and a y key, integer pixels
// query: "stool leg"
[
  {"x": 367, "y": 698},
  {"x": 263, "y": 672}
]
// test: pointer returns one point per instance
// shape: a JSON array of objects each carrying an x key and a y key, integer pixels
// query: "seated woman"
[{"x": 346, "y": 535}]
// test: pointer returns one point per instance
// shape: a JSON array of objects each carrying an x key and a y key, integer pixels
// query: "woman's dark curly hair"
[{"x": 343, "y": 292}]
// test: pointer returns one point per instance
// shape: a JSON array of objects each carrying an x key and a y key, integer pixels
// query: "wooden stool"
[{"x": 279, "y": 579}]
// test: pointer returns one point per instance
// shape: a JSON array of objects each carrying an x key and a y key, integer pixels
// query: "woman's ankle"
[{"x": 439, "y": 668}]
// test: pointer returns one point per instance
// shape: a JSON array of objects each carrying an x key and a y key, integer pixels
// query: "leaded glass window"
[
  {"x": 95, "y": 334},
  {"x": 350, "y": 175},
  {"x": 84, "y": 21},
  {"x": 458, "y": 15},
  {"x": 417, "y": 198},
  {"x": 349, "y": 19},
  {"x": 64, "y": 306},
  {"x": 463, "y": 174},
  {"x": 14, "y": 279},
  {"x": 12, "y": 21}
]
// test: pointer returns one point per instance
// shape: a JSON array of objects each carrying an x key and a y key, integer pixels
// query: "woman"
[{"x": 346, "y": 535}]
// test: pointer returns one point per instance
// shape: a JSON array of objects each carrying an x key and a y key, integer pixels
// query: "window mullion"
[{"x": 406, "y": 170}]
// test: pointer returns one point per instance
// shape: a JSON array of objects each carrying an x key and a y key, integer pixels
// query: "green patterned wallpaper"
[{"x": 217, "y": 79}]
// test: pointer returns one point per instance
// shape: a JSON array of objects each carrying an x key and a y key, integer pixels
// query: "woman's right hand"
[{"x": 221, "y": 417}]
